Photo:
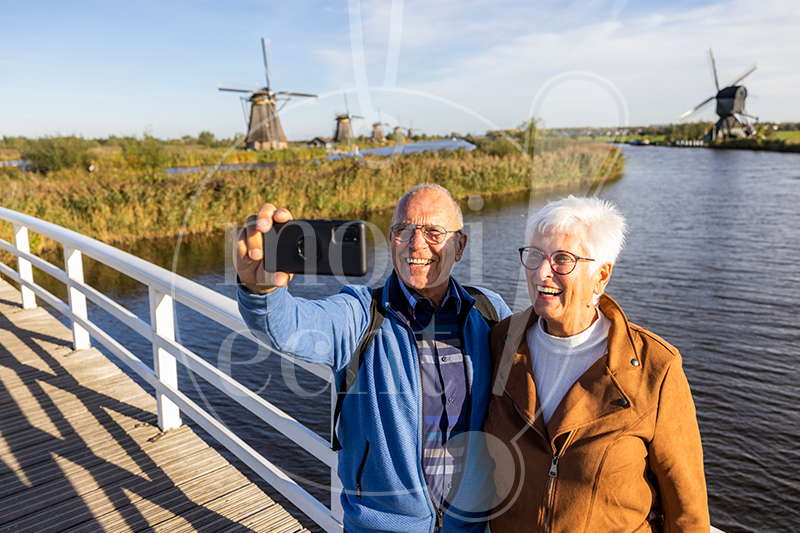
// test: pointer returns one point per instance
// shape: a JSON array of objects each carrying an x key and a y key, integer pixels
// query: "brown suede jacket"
[{"x": 623, "y": 441}]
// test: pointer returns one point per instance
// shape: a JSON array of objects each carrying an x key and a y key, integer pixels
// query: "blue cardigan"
[{"x": 380, "y": 427}]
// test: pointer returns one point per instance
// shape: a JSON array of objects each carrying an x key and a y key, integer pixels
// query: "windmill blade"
[
  {"x": 237, "y": 90},
  {"x": 244, "y": 111},
  {"x": 355, "y": 116},
  {"x": 265, "y": 43},
  {"x": 346, "y": 105},
  {"x": 695, "y": 108},
  {"x": 297, "y": 94},
  {"x": 743, "y": 76},
  {"x": 713, "y": 68}
]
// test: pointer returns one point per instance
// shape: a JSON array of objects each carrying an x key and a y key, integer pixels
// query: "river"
[{"x": 711, "y": 265}]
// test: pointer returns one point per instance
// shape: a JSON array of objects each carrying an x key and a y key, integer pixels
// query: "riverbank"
[{"x": 121, "y": 205}]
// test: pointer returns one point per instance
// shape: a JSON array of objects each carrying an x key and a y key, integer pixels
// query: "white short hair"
[{"x": 597, "y": 223}]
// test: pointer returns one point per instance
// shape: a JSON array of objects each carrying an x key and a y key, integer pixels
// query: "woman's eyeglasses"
[{"x": 561, "y": 262}]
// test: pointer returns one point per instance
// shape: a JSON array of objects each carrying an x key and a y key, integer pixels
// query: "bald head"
[{"x": 430, "y": 190}]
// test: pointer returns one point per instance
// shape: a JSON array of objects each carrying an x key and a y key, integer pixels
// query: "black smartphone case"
[{"x": 324, "y": 247}]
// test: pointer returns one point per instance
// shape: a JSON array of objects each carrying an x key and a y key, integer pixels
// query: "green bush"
[
  {"x": 145, "y": 154},
  {"x": 49, "y": 154}
]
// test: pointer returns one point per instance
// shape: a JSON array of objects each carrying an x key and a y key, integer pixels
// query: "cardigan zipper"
[
  {"x": 360, "y": 472},
  {"x": 551, "y": 480}
]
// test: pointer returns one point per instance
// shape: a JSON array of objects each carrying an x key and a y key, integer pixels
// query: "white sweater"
[{"x": 558, "y": 362}]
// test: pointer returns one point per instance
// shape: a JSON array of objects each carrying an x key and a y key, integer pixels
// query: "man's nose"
[{"x": 418, "y": 239}]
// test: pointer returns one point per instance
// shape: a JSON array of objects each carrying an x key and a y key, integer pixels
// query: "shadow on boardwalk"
[{"x": 77, "y": 447}]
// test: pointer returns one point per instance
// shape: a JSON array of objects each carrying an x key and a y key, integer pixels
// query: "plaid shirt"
[{"x": 445, "y": 389}]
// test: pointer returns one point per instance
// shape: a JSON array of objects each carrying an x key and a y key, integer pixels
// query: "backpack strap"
[
  {"x": 376, "y": 315},
  {"x": 483, "y": 305}
]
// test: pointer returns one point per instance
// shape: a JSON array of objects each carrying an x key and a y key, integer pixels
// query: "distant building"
[{"x": 320, "y": 141}]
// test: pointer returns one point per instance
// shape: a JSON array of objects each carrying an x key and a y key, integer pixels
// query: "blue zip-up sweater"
[{"x": 380, "y": 427}]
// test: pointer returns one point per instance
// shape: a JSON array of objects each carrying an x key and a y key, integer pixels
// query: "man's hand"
[{"x": 248, "y": 251}]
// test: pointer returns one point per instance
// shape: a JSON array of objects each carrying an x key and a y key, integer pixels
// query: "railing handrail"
[{"x": 166, "y": 288}]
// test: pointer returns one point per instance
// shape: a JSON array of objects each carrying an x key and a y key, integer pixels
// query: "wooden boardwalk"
[{"x": 77, "y": 452}]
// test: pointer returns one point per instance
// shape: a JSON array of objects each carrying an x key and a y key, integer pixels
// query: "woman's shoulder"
[{"x": 654, "y": 352}]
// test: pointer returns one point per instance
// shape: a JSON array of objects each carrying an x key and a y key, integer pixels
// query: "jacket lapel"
[{"x": 515, "y": 372}]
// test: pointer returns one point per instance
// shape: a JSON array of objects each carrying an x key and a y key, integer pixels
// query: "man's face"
[{"x": 422, "y": 266}]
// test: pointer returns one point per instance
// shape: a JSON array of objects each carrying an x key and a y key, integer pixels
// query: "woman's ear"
[{"x": 603, "y": 275}]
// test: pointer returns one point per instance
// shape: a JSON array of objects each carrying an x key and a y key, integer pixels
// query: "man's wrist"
[{"x": 254, "y": 288}]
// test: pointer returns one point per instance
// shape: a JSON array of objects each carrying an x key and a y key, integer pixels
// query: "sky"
[{"x": 100, "y": 68}]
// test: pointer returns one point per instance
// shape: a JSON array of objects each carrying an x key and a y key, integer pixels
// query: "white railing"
[{"x": 167, "y": 288}]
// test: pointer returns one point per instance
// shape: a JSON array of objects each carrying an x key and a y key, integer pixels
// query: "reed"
[{"x": 121, "y": 205}]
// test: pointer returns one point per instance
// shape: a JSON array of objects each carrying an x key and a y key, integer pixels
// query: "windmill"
[
  {"x": 344, "y": 128},
  {"x": 733, "y": 121},
  {"x": 411, "y": 130},
  {"x": 264, "y": 130},
  {"x": 398, "y": 131},
  {"x": 377, "y": 130}
]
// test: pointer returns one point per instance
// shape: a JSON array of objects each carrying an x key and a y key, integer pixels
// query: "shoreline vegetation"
[
  {"x": 783, "y": 137},
  {"x": 125, "y": 203}
]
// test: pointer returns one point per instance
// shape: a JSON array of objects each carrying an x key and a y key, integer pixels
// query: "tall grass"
[{"x": 118, "y": 205}]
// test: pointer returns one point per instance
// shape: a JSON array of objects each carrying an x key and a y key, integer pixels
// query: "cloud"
[{"x": 657, "y": 59}]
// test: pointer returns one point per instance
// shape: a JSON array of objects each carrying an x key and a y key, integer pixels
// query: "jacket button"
[
  {"x": 502, "y": 375},
  {"x": 623, "y": 402},
  {"x": 635, "y": 362}
]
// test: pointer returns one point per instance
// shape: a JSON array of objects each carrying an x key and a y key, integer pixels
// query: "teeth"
[
  {"x": 552, "y": 291},
  {"x": 411, "y": 261}
]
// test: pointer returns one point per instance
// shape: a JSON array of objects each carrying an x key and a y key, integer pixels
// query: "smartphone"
[{"x": 325, "y": 247}]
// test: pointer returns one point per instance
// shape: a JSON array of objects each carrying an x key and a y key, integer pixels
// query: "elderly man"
[{"x": 412, "y": 456}]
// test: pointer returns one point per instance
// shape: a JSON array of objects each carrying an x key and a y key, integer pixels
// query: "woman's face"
[{"x": 565, "y": 301}]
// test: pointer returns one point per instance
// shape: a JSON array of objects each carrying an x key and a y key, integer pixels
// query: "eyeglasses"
[
  {"x": 561, "y": 262},
  {"x": 402, "y": 232}
]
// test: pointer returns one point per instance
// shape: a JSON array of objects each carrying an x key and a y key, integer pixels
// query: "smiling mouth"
[
  {"x": 548, "y": 291},
  {"x": 418, "y": 262}
]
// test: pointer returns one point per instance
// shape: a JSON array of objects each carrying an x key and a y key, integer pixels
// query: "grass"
[
  {"x": 122, "y": 205},
  {"x": 790, "y": 137}
]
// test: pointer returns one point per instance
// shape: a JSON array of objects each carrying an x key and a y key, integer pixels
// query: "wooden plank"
[
  {"x": 77, "y": 480},
  {"x": 74, "y": 459},
  {"x": 179, "y": 443}
]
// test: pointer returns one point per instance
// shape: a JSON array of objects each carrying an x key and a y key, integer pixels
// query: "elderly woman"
[{"x": 591, "y": 424}]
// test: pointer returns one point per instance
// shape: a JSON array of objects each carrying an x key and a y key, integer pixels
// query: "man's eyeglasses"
[
  {"x": 561, "y": 262},
  {"x": 402, "y": 232}
]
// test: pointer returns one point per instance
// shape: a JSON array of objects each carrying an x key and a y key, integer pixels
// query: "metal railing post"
[
  {"x": 73, "y": 261},
  {"x": 24, "y": 266},
  {"x": 336, "y": 485},
  {"x": 162, "y": 320}
]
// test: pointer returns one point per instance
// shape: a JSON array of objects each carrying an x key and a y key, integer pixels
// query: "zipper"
[
  {"x": 551, "y": 481},
  {"x": 361, "y": 471},
  {"x": 440, "y": 517}
]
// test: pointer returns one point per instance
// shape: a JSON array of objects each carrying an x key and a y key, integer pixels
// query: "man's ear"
[{"x": 461, "y": 244}]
